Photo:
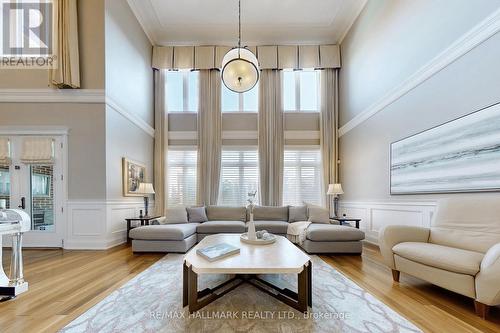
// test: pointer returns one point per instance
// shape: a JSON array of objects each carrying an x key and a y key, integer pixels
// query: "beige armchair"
[{"x": 459, "y": 252}]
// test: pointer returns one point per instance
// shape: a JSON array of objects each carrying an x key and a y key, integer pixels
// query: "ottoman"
[{"x": 331, "y": 238}]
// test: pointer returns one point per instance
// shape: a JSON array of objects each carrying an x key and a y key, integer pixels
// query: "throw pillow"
[
  {"x": 297, "y": 213},
  {"x": 176, "y": 215},
  {"x": 158, "y": 221},
  {"x": 197, "y": 214},
  {"x": 318, "y": 215}
]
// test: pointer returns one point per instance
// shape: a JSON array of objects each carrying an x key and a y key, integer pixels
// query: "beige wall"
[
  {"x": 86, "y": 143},
  {"x": 91, "y": 46},
  {"x": 468, "y": 84},
  {"x": 392, "y": 39},
  {"x": 129, "y": 83}
]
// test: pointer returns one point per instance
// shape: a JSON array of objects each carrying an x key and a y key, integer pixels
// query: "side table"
[
  {"x": 144, "y": 221},
  {"x": 345, "y": 220}
]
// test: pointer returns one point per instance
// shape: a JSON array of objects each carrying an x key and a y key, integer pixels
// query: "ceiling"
[{"x": 264, "y": 22}]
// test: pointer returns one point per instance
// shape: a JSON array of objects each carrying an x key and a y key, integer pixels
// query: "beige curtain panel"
[
  {"x": 328, "y": 126},
  {"x": 160, "y": 142},
  {"x": 271, "y": 138},
  {"x": 38, "y": 150},
  {"x": 209, "y": 137},
  {"x": 4, "y": 151},
  {"x": 270, "y": 57},
  {"x": 67, "y": 73}
]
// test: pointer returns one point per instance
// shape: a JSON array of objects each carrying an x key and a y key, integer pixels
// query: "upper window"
[
  {"x": 182, "y": 91},
  {"x": 301, "y": 91},
  {"x": 302, "y": 177},
  {"x": 239, "y": 175},
  {"x": 235, "y": 102},
  {"x": 182, "y": 175}
]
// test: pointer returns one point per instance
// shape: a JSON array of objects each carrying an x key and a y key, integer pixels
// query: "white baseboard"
[
  {"x": 374, "y": 215},
  {"x": 99, "y": 225}
]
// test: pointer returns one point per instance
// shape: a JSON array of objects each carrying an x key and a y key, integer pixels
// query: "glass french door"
[{"x": 37, "y": 189}]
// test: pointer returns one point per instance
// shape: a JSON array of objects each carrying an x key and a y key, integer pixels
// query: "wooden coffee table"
[{"x": 281, "y": 257}]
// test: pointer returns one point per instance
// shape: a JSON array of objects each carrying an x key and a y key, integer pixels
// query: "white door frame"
[{"x": 60, "y": 198}]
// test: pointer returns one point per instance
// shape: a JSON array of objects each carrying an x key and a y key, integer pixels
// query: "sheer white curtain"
[
  {"x": 271, "y": 138},
  {"x": 161, "y": 142},
  {"x": 209, "y": 137},
  {"x": 329, "y": 126}
]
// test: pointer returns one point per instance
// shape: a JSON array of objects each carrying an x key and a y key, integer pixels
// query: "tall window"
[
  {"x": 245, "y": 102},
  {"x": 302, "y": 177},
  {"x": 182, "y": 176},
  {"x": 301, "y": 91},
  {"x": 182, "y": 91},
  {"x": 239, "y": 175}
]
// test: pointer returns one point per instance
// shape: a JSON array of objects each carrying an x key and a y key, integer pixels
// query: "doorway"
[{"x": 37, "y": 187}]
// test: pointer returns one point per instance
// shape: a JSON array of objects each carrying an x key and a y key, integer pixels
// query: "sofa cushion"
[
  {"x": 270, "y": 213},
  {"x": 318, "y": 215},
  {"x": 216, "y": 227},
  {"x": 333, "y": 233},
  {"x": 222, "y": 213},
  {"x": 448, "y": 258},
  {"x": 297, "y": 213},
  {"x": 175, "y": 215},
  {"x": 274, "y": 227},
  {"x": 174, "y": 232},
  {"x": 197, "y": 214}
]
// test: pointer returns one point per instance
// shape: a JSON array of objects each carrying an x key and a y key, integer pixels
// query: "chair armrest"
[
  {"x": 391, "y": 235},
  {"x": 488, "y": 278}
]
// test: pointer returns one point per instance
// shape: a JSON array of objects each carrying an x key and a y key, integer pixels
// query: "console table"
[{"x": 144, "y": 221}]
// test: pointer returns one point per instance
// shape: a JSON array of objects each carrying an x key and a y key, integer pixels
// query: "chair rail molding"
[
  {"x": 468, "y": 41},
  {"x": 90, "y": 96},
  {"x": 375, "y": 215},
  {"x": 99, "y": 224},
  {"x": 134, "y": 119}
]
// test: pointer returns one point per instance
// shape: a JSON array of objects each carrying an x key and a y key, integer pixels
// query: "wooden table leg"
[
  {"x": 192, "y": 290},
  {"x": 185, "y": 289},
  {"x": 309, "y": 275},
  {"x": 128, "y": 231},
  {"x": 303, "y": 290}
]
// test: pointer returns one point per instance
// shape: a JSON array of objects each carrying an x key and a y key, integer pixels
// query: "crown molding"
[
  {"x": 468, "y": 41},
  {"x": 138, "y": 12},
  {"x": 134, "y": 119},
  {"x": 91, "y": 96},
  {"x": 357, "y": 12}
]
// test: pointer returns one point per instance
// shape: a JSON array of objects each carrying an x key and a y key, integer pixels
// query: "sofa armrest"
[
  {"x": 488, "y": 278},
  {"x": 391, "y": 235}
]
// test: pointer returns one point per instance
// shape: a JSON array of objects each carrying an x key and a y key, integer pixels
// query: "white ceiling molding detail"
[
  {"x": 468, "y": 41},
  {"x": 134, "y": 119},
  {"x": 264, "y": 22},
  {"x": 91, "y": 96}
]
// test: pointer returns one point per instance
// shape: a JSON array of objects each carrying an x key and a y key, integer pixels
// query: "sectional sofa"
[{"x": 186, "y": 226}]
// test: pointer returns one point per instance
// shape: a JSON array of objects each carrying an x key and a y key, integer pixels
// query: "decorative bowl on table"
[{"x": 263, "y": 238}]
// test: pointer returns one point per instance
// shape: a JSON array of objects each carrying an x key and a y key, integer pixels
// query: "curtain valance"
[
  {"x": 38, "y": 150},
  {"x": 4, "y": 151},
  {"x": 270, "y": 57}
]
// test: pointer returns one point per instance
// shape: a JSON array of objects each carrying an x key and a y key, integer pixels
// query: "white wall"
[{"x": 383, "y": 48}]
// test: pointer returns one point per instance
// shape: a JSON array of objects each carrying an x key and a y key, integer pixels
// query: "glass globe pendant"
[{"x": 240, "y": 67}]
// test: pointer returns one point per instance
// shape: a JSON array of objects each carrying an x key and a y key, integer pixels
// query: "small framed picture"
[{"x": 133, "y": 173}]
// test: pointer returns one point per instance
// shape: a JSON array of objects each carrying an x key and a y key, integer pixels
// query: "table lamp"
[
  {"x": 146, "y": 189},
  {"x": 335, "y": 190}
]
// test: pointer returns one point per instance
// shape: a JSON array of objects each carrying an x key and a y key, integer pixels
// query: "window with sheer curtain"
[
  {"x": 182, "y": 91},
  {"x": 302, "y": 177},
  {"x": 239, "y": 175},
  {"x": 182, "y": 177},
  {"x": 235, "y": 102},
  {"x": 301, "y": 91}
]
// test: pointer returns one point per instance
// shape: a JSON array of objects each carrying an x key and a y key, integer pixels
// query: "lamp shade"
[
  {"x": 240, "y": 70},
  {"x": 335, "y": 189},
  {"x": 145, "y": 188}
]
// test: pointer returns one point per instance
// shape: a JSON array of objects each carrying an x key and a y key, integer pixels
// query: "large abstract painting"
[{"x": 462, "y": 155}]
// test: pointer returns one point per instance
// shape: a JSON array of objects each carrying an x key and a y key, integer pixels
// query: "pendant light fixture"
[{"x": 240, "y": 67}]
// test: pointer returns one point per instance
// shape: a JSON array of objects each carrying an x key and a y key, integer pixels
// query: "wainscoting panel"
[
  {"x": 99, "y": 225},
  {"x": 375, "y": 215}
]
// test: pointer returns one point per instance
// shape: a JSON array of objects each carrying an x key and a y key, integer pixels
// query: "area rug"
[{"x": 152, "y": 302}]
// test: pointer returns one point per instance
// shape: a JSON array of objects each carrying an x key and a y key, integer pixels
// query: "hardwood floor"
[{"x": 64, "y": 284}]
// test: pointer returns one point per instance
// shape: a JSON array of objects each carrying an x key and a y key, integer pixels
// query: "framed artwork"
[
  {"x": 462, "y": 155},
  {"x": 133, "y": 173}
]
